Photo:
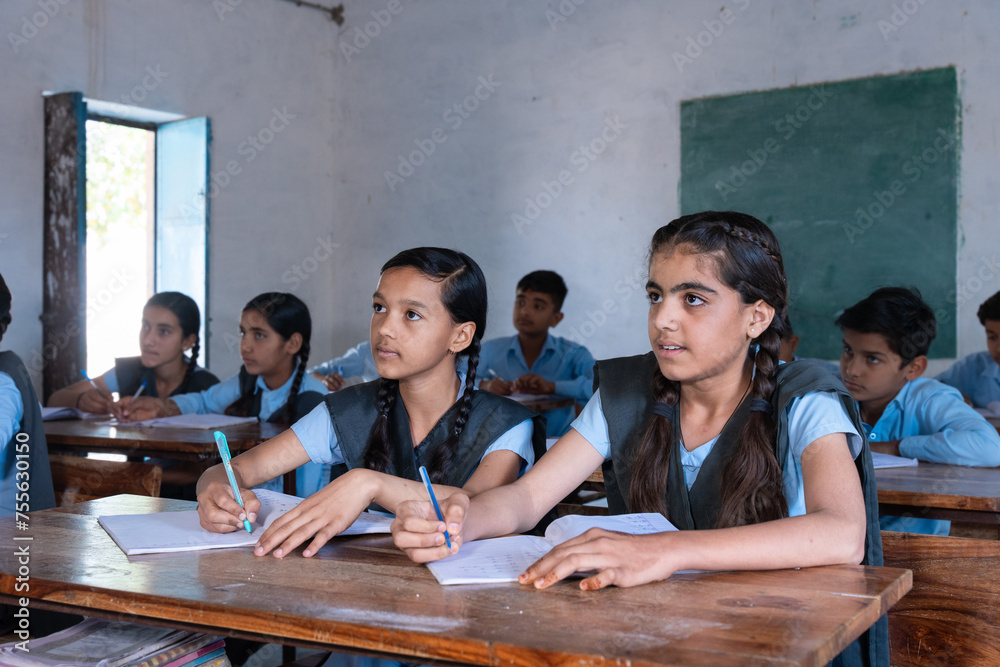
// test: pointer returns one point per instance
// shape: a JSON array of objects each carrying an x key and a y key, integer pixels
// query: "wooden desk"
[
  {"x": 75, "y": 436},
  {"x": 78, "y": 437},
  {"x": 940, "y": 491},
  {"x": 363, "y": 595},
  {"x": 546, "y": 402}
]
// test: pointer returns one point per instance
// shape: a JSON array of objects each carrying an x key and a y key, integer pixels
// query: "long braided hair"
[
  {"x": 287, "y": 314},
  {"x": 749, "y": 261},
  {"x": 463, "y": 293},
  {"x": 189, "y": 317}
]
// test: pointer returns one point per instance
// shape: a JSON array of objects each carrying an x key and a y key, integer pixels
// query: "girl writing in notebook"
[
  {"x": 755, "y": 463},
  {"x": 275, "y": 330},
  {"x": 429, "y": 309},
  {"x": 167, "y": 363}
]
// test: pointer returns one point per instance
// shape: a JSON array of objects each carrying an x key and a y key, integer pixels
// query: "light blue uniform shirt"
[
  {"x": 933, "y": 423},
  {"x": 11, "y": 413},
  {"x": 976, "y": 376},
  {"x": 356, "y": 362},
  {"x": 810, "y": 417},
  {"x": 309, "y": 478},
  {"x": 111, "y": 379},
  {"x": 569, "y": 365},
  {"x": 316, "y": 433}
]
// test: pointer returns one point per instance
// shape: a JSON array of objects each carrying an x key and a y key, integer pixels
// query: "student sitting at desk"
[
  {"x": 429, "y": 310},
  {"x": 272, "y": 385},
  {"x": 21, "y": 434},
  {"x": 534, "y": 361},
  {"x": 886, "y": 338},
  {"x": 170, "y": 324},
  {"x": 978, "y": 375},
  {"x": 357, "y": 362},
  {"x": 760, "y": 465}
]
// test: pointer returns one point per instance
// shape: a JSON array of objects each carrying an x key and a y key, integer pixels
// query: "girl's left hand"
[
  {"x": 324, "y": 514},
  {"x": 620, "y": 560}
]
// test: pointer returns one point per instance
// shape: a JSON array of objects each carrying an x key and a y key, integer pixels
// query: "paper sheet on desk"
[
  {"x": 165, "y": 532},
  {"x": 880, "y": 460},
  {"x": 205, "y": 422},
  {"x": 502, "y": 559}
]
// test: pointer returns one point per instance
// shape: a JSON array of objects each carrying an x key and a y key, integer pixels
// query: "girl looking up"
[
  {"x": 167, "y": 363},
  {"x": 275, "y": 329},
  {"x": 429, "y": 311},
  {"x": 760, "y": 466}
]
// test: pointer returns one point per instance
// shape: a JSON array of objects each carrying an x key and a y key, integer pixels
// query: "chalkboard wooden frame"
[{"x": 858, "y": 179}]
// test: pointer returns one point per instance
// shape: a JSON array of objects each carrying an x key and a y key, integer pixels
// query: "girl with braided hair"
[
  {"x": 760, "y": 466},
  {"x": 167, "y": 363},
  {"x": 429, "y": 315},
  {"x": 272, "y": 385}
]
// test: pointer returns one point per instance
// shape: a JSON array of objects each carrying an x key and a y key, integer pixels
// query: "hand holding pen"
[
  {"x": 96, "y": 400},
  {"x": 222, "y": 507},
  {"x": 119, "y": 409}
]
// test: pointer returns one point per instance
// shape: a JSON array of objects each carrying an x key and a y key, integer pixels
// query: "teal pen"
[
  {"x": 434, "y": 501},
  {"x": 220, "y": 442}
]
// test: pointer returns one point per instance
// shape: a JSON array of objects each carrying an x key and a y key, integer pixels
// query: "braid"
[
  {"x": 377, "y": 452},
  {"x": 441, "y": 459},
  {"x": 747, "y": 235},
  {"x": 293, "y": 394},
  {"x": 193, "y": 363},
  {"x": 652, "y": 459},
  {"x": 751, "y": 481},
  {"x": 241, "y": 406}
]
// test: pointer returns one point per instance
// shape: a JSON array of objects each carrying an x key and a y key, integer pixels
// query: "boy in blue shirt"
[
  {"x": 357, "y": 362},
  {"x": 978, "y": 375},
  {"x": 535, "y": 362},
  {"x": 886, "y": 338}
]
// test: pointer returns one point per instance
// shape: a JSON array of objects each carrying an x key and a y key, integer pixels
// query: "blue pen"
[
  {"x": 87, "y": 378},
  {"x": 434, "y": 501},
  {"x": 139, "y": 390},
  {"x": 340, "y": 371},
  {"x": 220, "y": 442}
]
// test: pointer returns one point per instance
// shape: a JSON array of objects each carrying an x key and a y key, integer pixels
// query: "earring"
[{"x": 753, "y": 374}]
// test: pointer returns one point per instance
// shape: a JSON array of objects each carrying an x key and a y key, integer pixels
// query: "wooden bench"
[
  {"x": 952, "y": 614},
  {"x": 76, "y": 478}
]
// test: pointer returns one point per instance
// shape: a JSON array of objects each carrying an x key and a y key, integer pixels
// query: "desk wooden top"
[
  {"x": 77, "y": 436},
  {"x": 363, "y": 594},
  {"x": 940, "y": 485},
  {"x": 545, "y": 402}
]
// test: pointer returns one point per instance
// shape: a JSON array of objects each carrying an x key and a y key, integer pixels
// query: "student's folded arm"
[
  {"x": 213, "y": 400},
  {"x": 581, "y": 387},
  {"x": 954, "y": 433}
]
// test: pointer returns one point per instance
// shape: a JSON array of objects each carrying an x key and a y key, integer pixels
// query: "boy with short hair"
[
  {"x": 977, "y": 376},
  {"x": 886, "y": 338},
  {"x": 533, "y": 361}
]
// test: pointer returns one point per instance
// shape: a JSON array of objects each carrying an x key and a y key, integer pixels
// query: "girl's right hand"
[
  {"x": 333, "y": 382},
  {"x": 95, "y": 401},
  {"x": 417, "y": 530},
  {"x": 142, "y": 408},
  {"x": 497, "y": 386},
  {"x": 219, "y": 512}
]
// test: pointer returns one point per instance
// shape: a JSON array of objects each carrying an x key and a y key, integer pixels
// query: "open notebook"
[
  {"x": 180, "y": 531},
  {"x": 880, "y": 460},
  {"x": 207, "y": 421},
  {"x": 502, "y": 559}
]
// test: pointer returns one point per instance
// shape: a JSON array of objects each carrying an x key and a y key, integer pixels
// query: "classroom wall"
[{"x": 535, "y": 85}]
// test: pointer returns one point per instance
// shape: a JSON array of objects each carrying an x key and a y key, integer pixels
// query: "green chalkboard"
[{"x": 858, "y": 179}]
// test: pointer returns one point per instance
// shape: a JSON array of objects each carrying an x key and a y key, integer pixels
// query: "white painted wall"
[{"x": 558, "y": 85}]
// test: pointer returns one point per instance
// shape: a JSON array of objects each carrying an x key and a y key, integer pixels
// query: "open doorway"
[{"x": 120, "y": 238}]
